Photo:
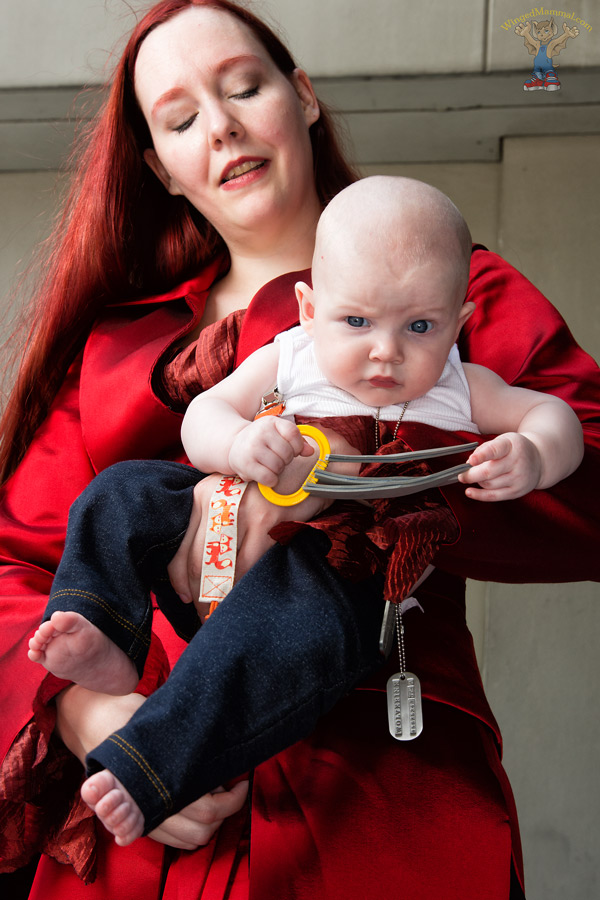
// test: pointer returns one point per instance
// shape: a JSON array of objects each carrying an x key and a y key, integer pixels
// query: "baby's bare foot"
[
  {"x": 71, "y": 647},
  {"x": 114, "y": 806}
]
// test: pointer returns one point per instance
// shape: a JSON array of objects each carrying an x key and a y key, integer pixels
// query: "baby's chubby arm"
[
  {"x": 540, "y": 439},
  {"x": 219, "y": 433}
]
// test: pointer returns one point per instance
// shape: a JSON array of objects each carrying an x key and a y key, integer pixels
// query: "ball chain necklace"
[
  {"x": 405, "y": 712},
  {"x": 395, "y": 429}
]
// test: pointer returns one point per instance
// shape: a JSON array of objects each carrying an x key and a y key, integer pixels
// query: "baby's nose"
[{"x": 388, "y": 348}]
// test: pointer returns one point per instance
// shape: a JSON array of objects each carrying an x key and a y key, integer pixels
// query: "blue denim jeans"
[
  {"x": 288, "y": 641},
  {"x": 122, "y": 532}
]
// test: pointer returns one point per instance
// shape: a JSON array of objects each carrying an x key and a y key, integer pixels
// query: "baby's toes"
[
  {"x": 35, "y": 643},
  {"x": 113, "y": 809},
  {"x": 45, "y": 633},
  {"x": 130, "y": 828},
  {"x": 113, "y": 805},
  {"x": 121, "y": 817},
  {"x": 97, "y": 787}
]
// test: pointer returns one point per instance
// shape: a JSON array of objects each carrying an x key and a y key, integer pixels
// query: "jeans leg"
[
  {"x": 285, "y": 645},
  {"x": 122, "y": 532}
]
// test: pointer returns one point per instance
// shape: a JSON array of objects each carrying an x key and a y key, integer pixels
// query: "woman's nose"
[{"x": 222, "y": 125}]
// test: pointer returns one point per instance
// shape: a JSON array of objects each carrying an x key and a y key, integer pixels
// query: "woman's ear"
[
  {"x": 308, "y": 99},
  {"x": 151, "y": 159},
  {"x": 304, "y": 296}
]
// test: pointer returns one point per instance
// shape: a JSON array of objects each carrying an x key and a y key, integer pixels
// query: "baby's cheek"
[{"x": 330, "y": 364}]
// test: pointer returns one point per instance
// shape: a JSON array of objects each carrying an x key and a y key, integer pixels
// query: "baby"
[
  {"x": 377, "y": 337},
  {"x": 376, "y": 340}
]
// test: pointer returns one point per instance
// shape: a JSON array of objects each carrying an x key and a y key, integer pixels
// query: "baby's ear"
[
  {"x": 304, "y": 296},
  {"x": 466, "y": 311}
]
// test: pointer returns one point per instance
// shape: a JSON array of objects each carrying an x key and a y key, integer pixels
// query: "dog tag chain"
[{"x": 405, "y": 710}]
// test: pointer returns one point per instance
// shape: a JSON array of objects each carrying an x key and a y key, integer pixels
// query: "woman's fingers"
[
  {"x": 256, "y": 517},
  {"x": 195, "y": 825},
  {"x": 186, "y": 566},
  {"x": 86, "y": 718}
]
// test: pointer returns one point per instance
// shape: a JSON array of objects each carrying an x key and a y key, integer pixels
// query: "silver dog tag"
[{"x": 405, "y": 710}]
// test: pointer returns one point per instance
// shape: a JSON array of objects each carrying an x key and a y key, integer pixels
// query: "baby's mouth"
[
  {"x": 244, "y": 167},
  {"x": 383, "y": 381}
]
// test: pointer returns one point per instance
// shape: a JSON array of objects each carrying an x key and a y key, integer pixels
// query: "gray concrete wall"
[
  {"x": 27, "y": 201},
  {"x": 524, "y": 170},
  {"x": 69, "y": 41}
]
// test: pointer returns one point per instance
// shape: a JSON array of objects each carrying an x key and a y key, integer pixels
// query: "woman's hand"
[
  {"x": 256, "y": 518},
  {"x": 195, "y": 825},
  {"x": 85, "y": 718}
]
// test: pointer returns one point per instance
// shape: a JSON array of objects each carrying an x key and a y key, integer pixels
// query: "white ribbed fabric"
[{"x": 307, "y": 392}]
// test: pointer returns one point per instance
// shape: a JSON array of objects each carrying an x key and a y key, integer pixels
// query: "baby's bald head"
[{"x": 395, "y": 218}]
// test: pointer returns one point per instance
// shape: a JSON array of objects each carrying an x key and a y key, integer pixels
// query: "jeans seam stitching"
[{"x": 138, "y": 635}]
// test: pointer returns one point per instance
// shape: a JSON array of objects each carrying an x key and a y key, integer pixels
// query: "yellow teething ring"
[{"x": 298, "y": 496}]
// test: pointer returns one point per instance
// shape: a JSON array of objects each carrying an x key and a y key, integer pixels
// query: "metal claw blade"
[
  {"x": 356, "y": 487},
  {"x": 432, "y": 453}
]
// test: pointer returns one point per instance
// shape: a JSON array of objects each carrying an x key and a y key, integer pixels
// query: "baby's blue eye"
[
  {"x": 421, "y": 326},
  {"x": 356, "y": 321}
]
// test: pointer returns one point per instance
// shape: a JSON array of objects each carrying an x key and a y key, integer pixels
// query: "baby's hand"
[
  {"x": 262, "y": 450},
  {"x": 505, "y": 468}
]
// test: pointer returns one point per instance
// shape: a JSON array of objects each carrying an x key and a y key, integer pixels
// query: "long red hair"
[{"x": 121, "y": 235}]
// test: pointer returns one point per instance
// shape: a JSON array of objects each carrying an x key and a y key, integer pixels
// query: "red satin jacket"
[{"x": 344, "y": 813}]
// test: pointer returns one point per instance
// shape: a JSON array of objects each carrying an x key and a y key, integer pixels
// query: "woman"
[{"x": 230, "y": 130}]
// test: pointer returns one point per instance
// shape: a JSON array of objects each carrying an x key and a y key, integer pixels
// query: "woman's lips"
[{"x": 242, "y": 172}]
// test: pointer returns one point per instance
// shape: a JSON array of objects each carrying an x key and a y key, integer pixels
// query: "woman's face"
[{"x": 230, "y": 131}]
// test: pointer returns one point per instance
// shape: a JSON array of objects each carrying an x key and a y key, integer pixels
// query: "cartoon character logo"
[{"x": 541, "y": 42}]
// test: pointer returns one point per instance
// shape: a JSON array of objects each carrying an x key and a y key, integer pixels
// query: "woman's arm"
[
  {"x": 282, "y": 648},
  {"x": 257, "y": 517},
  {"x": 85, "y": 718},
  {"x": 34, "y": 506},
  {"x": 546, "y": 536}
]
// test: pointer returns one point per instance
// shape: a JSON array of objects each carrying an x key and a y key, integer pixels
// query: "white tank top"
[{"x": 308, "y": 393}]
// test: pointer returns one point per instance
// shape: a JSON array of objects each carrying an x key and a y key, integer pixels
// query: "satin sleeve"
[
  {"x": 34, "y": 506},
  {"x": 550, "y": 535},
  {"x": 40, "y": 807}
]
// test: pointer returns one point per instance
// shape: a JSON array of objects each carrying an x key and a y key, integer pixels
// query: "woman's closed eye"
[
  {"x": 185, "y": 125},
  {"x": 245, "y": 95},
  {"x": 240, "y": 95}
]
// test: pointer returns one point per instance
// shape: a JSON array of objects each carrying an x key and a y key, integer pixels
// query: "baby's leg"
[
  {"x": 114, "y": 806},
  {"x": 71, "y": 647},
  {"x": 310, "y": 637},
  {"x": 123, "y": 530}
]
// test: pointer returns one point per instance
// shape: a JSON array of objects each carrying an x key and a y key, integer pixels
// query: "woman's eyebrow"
[
  {"x": 234, "y": 60},
  {"x": 172, "y": 94},
  {"x": 177, "y": 92}
]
